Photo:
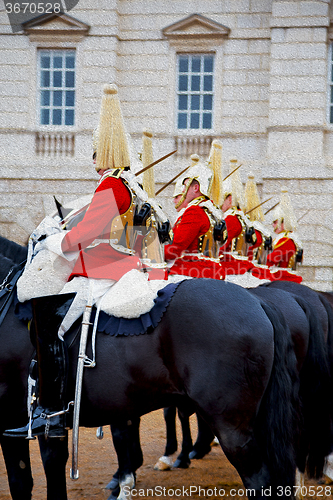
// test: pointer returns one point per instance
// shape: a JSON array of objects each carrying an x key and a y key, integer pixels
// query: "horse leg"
[
  {"x": 54, "y": 454},
  {"x": 17, "y": 460},
  {"x": 202, "y": 446},
  {"x": 134, "y": 449},
  {"x": 128, "y": 456},
  {"x": 183, "y": 461},
  {"x": 165, "y": 462}
]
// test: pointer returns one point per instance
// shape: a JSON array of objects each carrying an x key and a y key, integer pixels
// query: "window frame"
[
  {"x": 52, "y": 89},
  {"x": 190, "y": 93}
]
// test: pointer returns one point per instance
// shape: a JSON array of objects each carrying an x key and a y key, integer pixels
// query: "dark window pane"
[
  {"x": 331, "y": 94},
  {"x": 57, "y": 98},
  {"x": 208, "y": 64},
  {"x": 45, "y": 79},
  {"x": 182, "y": 102},
  {"x": 196, "y": 64},
  {"x": 57, "y": 77},
  {"x": 182, "y": 120},
  {"x": 69, "y": 117},
  {"x": 195, "y": 102},
  {"x": 70, "y": 62},
  {"x": 56, "y": 117},
  {"x": 195, "y": 120},
  {"x": 45, "y": 98},
  {"x": 195, "y": 85},
  {"x": 70, "y": 79},
  {"x": 182, "y": 82},
  {"x": 183, "y": 64},
  {"x": 208, "y": 101},
  {"x": 45, "y": 117},
  {"x": 208, "y": 83},
  {"x": 57, "y": 62},
  {"x": 70, "y": 97},
  {"x": 206, "y": 120},
  {"x": 45, "y": 61},
  {"x": 331, "y": 115}
]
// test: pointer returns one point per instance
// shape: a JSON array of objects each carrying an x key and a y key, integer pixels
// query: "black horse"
[
  {"x": 310, "y": 320},
  {"x": 226, "y": 353},
  {"x": 15, "y": 356}
]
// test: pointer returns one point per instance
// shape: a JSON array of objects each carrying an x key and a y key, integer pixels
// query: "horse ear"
[{"x": 61, "y": 210}]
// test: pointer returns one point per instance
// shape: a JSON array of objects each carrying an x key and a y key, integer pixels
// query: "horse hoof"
[
  {"x": 113, "y": 484},
  {"x": 179, "y": 464},
  {"x": 163, "y": 463},
  {"x": 197, "y": 455}
]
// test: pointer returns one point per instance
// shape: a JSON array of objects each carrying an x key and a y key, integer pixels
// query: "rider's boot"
[{"x": 48, "y": 313}]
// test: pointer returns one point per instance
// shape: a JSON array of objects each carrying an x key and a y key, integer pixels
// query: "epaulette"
[{"x": 115, "y": 173}]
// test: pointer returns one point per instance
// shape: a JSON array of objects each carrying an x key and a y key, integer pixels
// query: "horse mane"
[{"x": 12, "y": 251}]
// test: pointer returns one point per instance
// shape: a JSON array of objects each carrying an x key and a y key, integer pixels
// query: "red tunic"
[
  {"x": 231, "y": 264},
  {"x": 111, "y": 198},
  {"x": 187, "y": 230},
  {"x": 283, "y": 249}
]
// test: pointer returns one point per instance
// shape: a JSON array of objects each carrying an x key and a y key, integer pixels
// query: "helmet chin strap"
[{"x": 183, "y": 196}]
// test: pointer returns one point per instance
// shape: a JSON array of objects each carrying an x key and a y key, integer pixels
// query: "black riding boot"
[{"x": 48, "y": 313}]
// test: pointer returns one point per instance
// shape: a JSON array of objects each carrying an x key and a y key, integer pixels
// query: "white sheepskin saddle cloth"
[
  {"x": 130, "y": 297},
  {"x": 45, "y": 275},
  {"x": 133, "y": 295}
]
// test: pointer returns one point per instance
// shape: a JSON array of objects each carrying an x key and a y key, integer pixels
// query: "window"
[
  {"x": 195, "y": 86},
  {"x": 57, "y": 87}
]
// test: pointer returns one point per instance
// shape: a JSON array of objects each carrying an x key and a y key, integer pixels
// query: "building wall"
[{"x": 271, "y": 101}]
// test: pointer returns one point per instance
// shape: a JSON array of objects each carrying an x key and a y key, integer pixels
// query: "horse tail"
[
  {"x": 315, "y": 385},
  {"x": 277, "y": 425}
]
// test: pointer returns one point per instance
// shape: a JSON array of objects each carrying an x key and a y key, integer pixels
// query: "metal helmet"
[
  {"x": 284, "y": 212},
  {"x": 203, "y": 175}
]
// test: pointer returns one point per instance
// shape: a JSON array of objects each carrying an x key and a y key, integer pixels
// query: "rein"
[{"x": 7, "y": 289}]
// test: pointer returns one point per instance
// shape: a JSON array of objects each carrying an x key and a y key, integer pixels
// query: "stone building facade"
[{"x": 261, "y": 76}]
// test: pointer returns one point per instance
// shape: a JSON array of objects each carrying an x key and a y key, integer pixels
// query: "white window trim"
[
  {"x": 195, "y": 48},
  {"x": 196, "y": 34},
  {"x": 63, "y": 107},
  {"x": 200, "y": 93},
  {"x": 56, "y": 33}
]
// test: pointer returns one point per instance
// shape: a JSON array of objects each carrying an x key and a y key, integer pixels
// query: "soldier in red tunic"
[
  {"x": 194, "y": 250},
  {"x": 104, "y": 245},
  {"x": 287, "y": 248},
  {"x": 233, "y": 253}
]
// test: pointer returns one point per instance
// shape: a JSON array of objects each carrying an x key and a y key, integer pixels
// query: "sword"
[
  {"x": 257, "y": 206},
  {"x": 74, "y": 473},
  {"x": 276, "y": 204},
  {"x": 155, "y": 162},
  {"x": 173, "y": 179},
  {"x": 234, "y": 170}
]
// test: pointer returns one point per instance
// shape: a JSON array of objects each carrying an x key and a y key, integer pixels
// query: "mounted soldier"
[
  {"x": 241, "y": 235},
  {"x": 104, "y": 246},
  {"x": 199, "y": 229},
  {"x": 287, "y": 248}
]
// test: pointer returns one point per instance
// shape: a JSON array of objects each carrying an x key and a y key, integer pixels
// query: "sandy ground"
[{"x": 210, "y": 478}]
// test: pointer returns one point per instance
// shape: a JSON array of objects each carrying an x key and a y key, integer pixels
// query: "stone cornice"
[{"x": 55, "y": 27}]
